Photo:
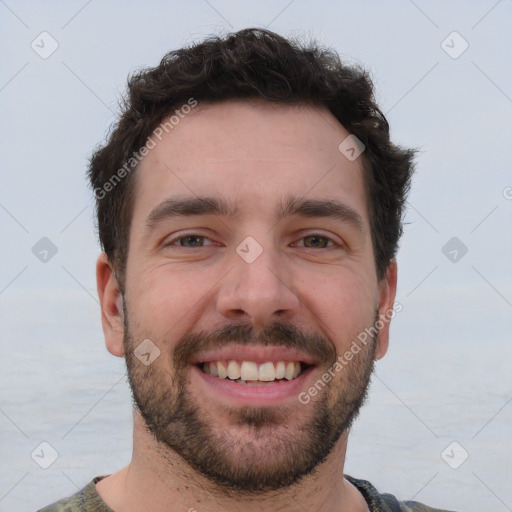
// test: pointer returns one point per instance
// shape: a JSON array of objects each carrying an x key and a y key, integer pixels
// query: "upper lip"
[{"x": 256, "y": 353}]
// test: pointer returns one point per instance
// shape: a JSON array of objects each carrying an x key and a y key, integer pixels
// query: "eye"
[
  {"x": 317, "y": 241},
  {"x": 189, "y": 241}
]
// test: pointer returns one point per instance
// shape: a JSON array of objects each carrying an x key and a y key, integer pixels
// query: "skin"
[{"x": 251, "y": 153}]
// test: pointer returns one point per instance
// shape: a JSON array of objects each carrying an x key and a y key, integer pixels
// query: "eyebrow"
[
  {"x": 189, "y": 206},
  {"x": 330, "y": 208},
  {"x": 288, "y": 206}
]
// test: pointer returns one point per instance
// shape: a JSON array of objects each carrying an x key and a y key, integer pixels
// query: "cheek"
[
  {"x": 344, "y": 303},
  {"x": 166, "y": 300}
]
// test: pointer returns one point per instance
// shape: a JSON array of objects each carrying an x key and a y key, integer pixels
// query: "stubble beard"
[{"x": 268, "y": 450}]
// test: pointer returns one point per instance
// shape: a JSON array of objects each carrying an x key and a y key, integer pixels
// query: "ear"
[
  {"x": 111, "y": 302},
  {"x": 387, "y": 293}
]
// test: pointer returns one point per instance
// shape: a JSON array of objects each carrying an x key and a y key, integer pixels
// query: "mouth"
[{"x": 252, "y": 373}]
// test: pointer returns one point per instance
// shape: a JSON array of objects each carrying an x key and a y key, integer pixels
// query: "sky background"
[{"x": 443, "y": 77}]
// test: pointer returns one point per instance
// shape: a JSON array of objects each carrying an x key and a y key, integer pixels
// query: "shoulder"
[
  {"x": 64, "y": 505},
  {"x": 387, "y": 502},
  {"x": 85, "y": 500}
]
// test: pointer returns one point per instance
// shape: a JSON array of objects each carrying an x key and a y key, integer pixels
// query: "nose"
[{"x": 259, "y": 292}]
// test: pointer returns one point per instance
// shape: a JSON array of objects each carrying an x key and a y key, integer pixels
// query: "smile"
[
  {"x": 253, "y": 373},
  {"x": 250, "y": 375}
]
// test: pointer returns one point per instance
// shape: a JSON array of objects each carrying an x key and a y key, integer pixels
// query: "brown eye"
[
  {"x": 191, "y": 241},
  {"x": 316, "y": 241}
]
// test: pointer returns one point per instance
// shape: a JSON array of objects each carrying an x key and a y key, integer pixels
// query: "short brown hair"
[{"x": 251, "y": 63}]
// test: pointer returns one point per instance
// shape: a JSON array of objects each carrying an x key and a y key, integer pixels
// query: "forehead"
[{"x": 253, "y": 152}]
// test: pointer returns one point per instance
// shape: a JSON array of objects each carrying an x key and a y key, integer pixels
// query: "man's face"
[{"x": 284, "y": 282}]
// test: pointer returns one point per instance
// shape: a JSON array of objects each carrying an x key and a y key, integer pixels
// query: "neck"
[{"x": 163, "y": 482}]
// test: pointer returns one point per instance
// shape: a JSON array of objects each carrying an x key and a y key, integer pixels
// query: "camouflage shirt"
[{"x": 88, "y": 500}]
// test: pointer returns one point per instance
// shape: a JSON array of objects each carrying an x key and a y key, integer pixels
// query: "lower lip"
[{"x": 265, "y": 394}]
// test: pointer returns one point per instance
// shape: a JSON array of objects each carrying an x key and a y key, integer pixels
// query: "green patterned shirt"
[{"x": 88, "y": 500}]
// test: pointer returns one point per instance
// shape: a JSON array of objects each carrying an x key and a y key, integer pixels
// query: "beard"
[{"x": 259, "y": 449}]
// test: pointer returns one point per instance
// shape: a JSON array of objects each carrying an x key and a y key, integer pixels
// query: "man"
[{"x": 249, "y": 206}]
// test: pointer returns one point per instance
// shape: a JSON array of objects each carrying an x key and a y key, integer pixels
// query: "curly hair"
[{"x": 250, "y": 63}]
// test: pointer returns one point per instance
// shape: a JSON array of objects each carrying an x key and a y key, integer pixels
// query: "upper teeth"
[{"x": 249, "y": 370}]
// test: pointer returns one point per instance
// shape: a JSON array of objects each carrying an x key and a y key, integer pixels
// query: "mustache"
[{"x": 275, "y": 334}]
